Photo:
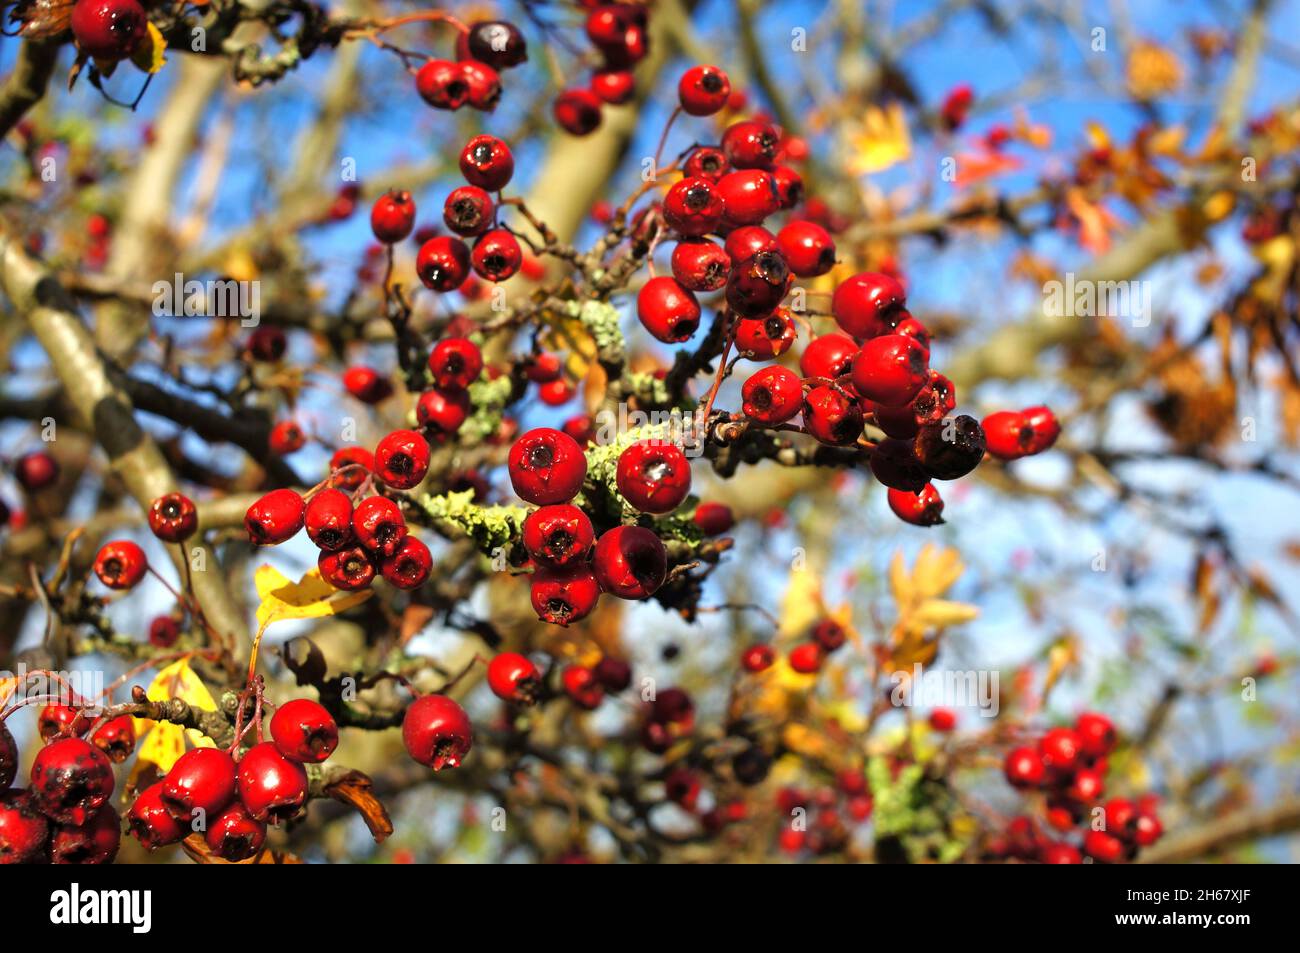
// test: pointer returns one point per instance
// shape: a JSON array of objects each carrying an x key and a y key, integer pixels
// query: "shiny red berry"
[
  {"x": 482, "y": 85},
  {"x": 1097, "y": 737},
  {"x": 891, "y": 369},
  {"x": 349, "y": 467},
  {"x": 235, "y": 835},
  {"x": 275, "y": 518},
  {"x": 328, "y": 519},
  {"x": 713, "y": 519},
  {"x": 496, "y": 255},
  {"x": 1086, "y": 786},
  {"x": 286, "y": 437},
  {"x": 409, "y": 567},
  {"x": 614, "y": 86},
  {"x": 565, "y": 595},
  {"x": 751, "y": 144},
  {"x": 700, "y": 265},
  {"x": 173, "y": 518},
  {"x": 807, "y": 248},
  {"x": 266, "y": 344},
  {"x": 351, "y": 569},
  {"x": 757, "y": 658},
  {"x": 443, "y": 263},
  {"x": 437, "y": 732},
  {"x": 706, "y": 162},
  {"x": 789, "y": 186},
  {"x": 653, "y": 476},
  {"x": 121, "y": 564},
  {"x": 441, "y": 410},
  {"x": 468, "y": 211},
  {"x": 497, "y": 43},
  {"x": 668, "y": 310},
  {"x": 163, "y": 632},
  {"x": 94, "y": 842},
  {"x": 1007, "y": 435},
  {"x": 402, "y": 459},
  {"x": 392, "y": 217},
  {"x": 949, "y": 449},
  {"x": 366, "y": 384},
  {"x": 832, "y": 417},
  {"x": 24, "y": 830},
  {"x": 557, "y": 535},
  {"x": 913, "y": 328},
  {"x": 749, "y": 196},
  {"x": 943, "y": 719},
  {"x": 693, "y": 207},
  {"x": 271, "y": 787},
  {"x": 766, "y": 337},
  {"x": 108, "y": 29},
  {"x": 1103, "y": 847},
  {"x": 1147, "y": 829},
  {"x": 830, "y": 356},
  {"x": 1023, "y": 768},
  {"x": 487, "y": 162},
  {"x": 201, "y": 780},
  {"x": 151, "y": 823},
  {"x": 61, "y": 721},
  {"x": 442, "y": 84},
  {"x": 1058, "y": 853},
  {"x": 807, "y": 658},
  {"x": 8, "y": 757},
  {"x": 630, "y": 562},
  {"x": 923, "y": 508},
  {"x": 514, "y": 678},
  {"x": 772, "y": 395},
  {"x": 36, "y": 470},
  {"x": 756, "y": 286},
  {"x": 70, "y": 779},
  {"x": 868, "y": 305},
  {"x": 703, "y": 90},
  {"x": 582, "y": 687},
  {"x": 556, "y": 393},
  {"x": 1060, "y": 749},
  {"x": 577, "y": 111},
  {"x": 378, "y": 525},
  {"x": 116, "y": 738},
  {"x": 546, "y": 466},
  {"x": 746, "y": 242},
  {"x": 829, "y": 634},
  {"x": 304, "y": 731},
  {"x": 614, "y": 674}
]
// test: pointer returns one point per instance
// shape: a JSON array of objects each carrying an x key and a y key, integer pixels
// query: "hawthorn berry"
[
  {"x": 266, "y": 344},
  {"x": 349, "y": 467},
  {"x": 556, "y": 393},
  {"x": 613, "y": 86},
  {"x": 442, "y": 410},
  {"x": 772, "y": 395},
  {"x": 468, "y": 211},
  {"x": 891, "y": 369},
  {"x": 914, "y": 329},
  {"x": 630, "y": 562},
  {"x": 894, "y": 464},
  {"x": 497, "y": 43},
  {"x": 546, "y": 466},
  {"x": 668, "y": 310},
  {"x": 271, "y": 787},
  {"x": 443, "y": 263},
  {"x": 328, "y": 519},
  {"x": 392, "y": 217},
  {"x": 402, "y": 459},
  {"x": 286, "y": 437},
  {"x": 70, "y": 779},
  {"x": 757, "y": 285},
  {"x": 577, "y": 111},
  {"x": 943, "y": 719},
  {"x": 932, "y": 402},
  {"x": 351, "y": 569},
  {"x": 514, "y": 678},
  {"x": 94, "y": 842},
  {"x": 1060, "y": 749},
  {"x": 868, "y": 305},
  {"x": 202, "y": 779},
  {"x": 116, "y": 738},
  {"x": 761, "y": 339},
  {"x": 582, "y": 687},
  {"x": 59, "y": 721},
  {"x": 487, "y": 162},
  {"x": 1096, "y": 733},
  {"x": 108, "y": 30},
  {"x": 751, "y": 144},
  {"x": 1103, "y": 847},
  {"x": 1059, "y": 853},
  {"x": 713, "y": 519},
  {"x": 653, "y": 476},
  {"x": 614, "y": 674},
  {"x": 693, "y": 207},
  {"x": 437, "y": 732},
  {"x": 366, "y": 384},
  {"x": 1046, "y": 428},
  {"x": 832, "y": 417},
  {"x": 703, "y": 90},
  {"x": 121, "y": 564},
  {"x": 482, "y": 85},
  {"x": 1086, "y": 786},
  {"x": 275, "y": 518},
  {"x": 151, "y": 823},
  {"x": 806, "y": 658},
  {"x": 557, "y": 535},
  {"x": 564, "y": 595},
  {"x": 163, "y": 632},
  {"x": 673, "y": 706},
  {"x": 409, "y": 567},
  {"x": 748, "y": 196},
  {"x": 807, "y": 248},
  {"x": 700, "y": 265},
  {"x": 757, "y": 658},
  {"x": 581, "y": 428},
  {"x": 828, "y": 357},
  {"x": 707, "y": 162},
  {"x": 8, "y": 757},
  {"x": 922, "y": 508},
  {"x": 378, "y": 525},
  {"x": 304, "y": 731},
  {"x": 829, "y": 634},
  {"x": 1147, "y": 829},
  {"x": 24, "y": 830},
  {"x": 949, "y": 449},
  {"x": 36, "y": 470},
  {"x": 496, "y": 255},
  {"x": 789, "y": 186},
  {"x": 1024, "y": 768},
  {"x": 235, "y": 835},
  {"x": 173, "y": 518},
  {"x": 442, "y": 84}
]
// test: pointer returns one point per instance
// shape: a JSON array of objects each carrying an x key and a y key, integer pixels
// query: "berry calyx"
[
  {"x": 437, "y": 732},
  {"x": 328, "y": 519},
  {"x": 693, "y": 207},
  {"x": 565, "y": 595},
  {"x": 304, "y": 731},
  {"x": 351, "y": 569},
  {"x": 772, "y": 395},
  {"x": 402, "y": 459},
  {"x": 557, "y": 535},
  {"x": 468, "y": 211},
  {"x": 653, "y": 476}
]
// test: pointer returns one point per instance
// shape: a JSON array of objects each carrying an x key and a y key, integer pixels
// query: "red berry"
[
  {"x": 582, "y": 686},
  {"x": 409, "y": 567},
  {"x": 378, "y": 525},
  {"x": 761, "y": 339},
  {"x": 772, "y": 395},
  {"x": 749, "y": 196},
  {"x": 543, "y": 368},
  {"x": 108, "y": 29},
  {"x": 497, "y": 43},
  {"x": 442, "y": 411},
  {"x": 61, "y": 721},
  {"x": 829, "y": 356},
  {"x": 922, "y": 508},
  {"x": 1060, "y": 749},
  {"x": 577, "y": 111},
  {"x": 482, "y": 84},
  {"x": 581, "y": 429},
  {"x": 163, "y": 632},
  {"x": 832, "y": 417},
  {"x": 235, "y": 834},
  {"x": 468, "y": 211},
  {"x": 150, "y": 822},
  {"x": 613, "y": 673},
  {"x": 630, "y": 562},
  {"x": 351, "y": 569},
  {"x": 703, "y": 90},
  {"x": 173, "y": 518},
  {"x": 556, "y": 393},
  {"x": 713, "y": 519},
  {"x": 1096, "y": 734},
  {"x": 562, "y": 596},
  {"x": 392, "y": 217},
  {"x": 757, "y": 285},
  {"x": 807, "y": 248},
  {"x": 653, "y": 476},
  {"x": 271, "y": 787},
  {"x": 304, "y": 731},
  {"x": 442, "y": 84},
  {"x": 1086, "y": 787},
  {"x": 274, "y": 518},
  {"x": 36, "y": 470},
  {"x": 914, "y": 329},
  {"x": 286, "y": 437},
  {"x": 1007, "y": 435},
  {"x": 1121, "y": 817},
  {"x": 1023, "y": 768},
  {"x": 934, "y": 401},
  {"x": 266, "y": 344},
  {"x": 891, "y": 369},
  {"x": 558, "y": 535},
  {"x": 514, "y": 678},
  {"x": 349, "y": 467},
  {"x": 121, "y": 564},
  {"x": 806, "y": 658},
  {"x": 667, "y": 310},
  {"x": 693, "y": 207},
  {"x": 751, "y": 144},
  {"x": 868, "y": 305},
  {"x": 496, "y": 255},
  {"x": 1102, "y": 847},
  {"x": 1058, "y": 853},
  {"x": 789, "y": 186},
  {"x": 328, "y": 518},
  {"x": 487, "y": 162},
  {"x": 747, "y": 241},
  {"x": 201, "y": 780},
  {"x": 94, "y": 842},
  {"x": 367, "y": 385},
  {"x": 70, "y": 779},
  {"x": 402, "y": 459},
  {"x": 24, "y": 830},
  {"x": 1147, "y": 829},
  {"x": 829, "y": 634},
  {"x": 706, "y": 162},
  {"x": 1046, "y": 428},
  {"x": 8, "y": 758},
  {"x": 116, "y": 738},
  {"x": 546, "y": 466},
  {"x": 614, "y": 86},
  {"x": 758, "y": 658},
  {"x": 943, "y": 719},
  {"x": 443, "y": 263},
  {"x": 437, "y": 732}
]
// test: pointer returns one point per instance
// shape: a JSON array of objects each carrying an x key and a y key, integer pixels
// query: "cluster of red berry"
[
  {"x": 1069, "y": 766},
  {"x": 618, "y": 32},
  {"x": 825, "y": 637},
  {"x": 474, "y": 80},
  {"x": 828, "y": 815}
]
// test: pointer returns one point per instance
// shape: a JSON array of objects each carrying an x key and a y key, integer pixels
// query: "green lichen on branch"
[
  {"x": 490, "y": 527},
  {"x": 911, "y": 814},
  {"x": 488, "y": 398},
  {"x": 601, "y": 319}
]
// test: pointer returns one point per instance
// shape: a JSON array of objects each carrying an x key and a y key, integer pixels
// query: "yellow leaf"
[
  {"x": 940, "y": 612},
  {"x": 569, "y": 334},
  {"x": 801, "y": 607},
  {"x": 165, "y": 742},
  {"x": 309, "y": 598},
  {"x": 1152, "y": 70},
  {"x": 151, "y": 56},
  {"x": 883, "y": 141},
  {"x": 900, "y": 582},
  {"x": 7, "y": 687}
]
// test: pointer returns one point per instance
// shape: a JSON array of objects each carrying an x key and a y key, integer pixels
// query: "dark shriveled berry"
[{"x": 950, "y": 449}]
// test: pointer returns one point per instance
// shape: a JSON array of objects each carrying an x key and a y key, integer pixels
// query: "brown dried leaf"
[{"x": 356, "y": 789}]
